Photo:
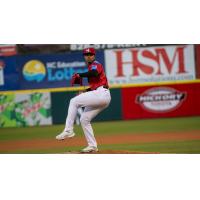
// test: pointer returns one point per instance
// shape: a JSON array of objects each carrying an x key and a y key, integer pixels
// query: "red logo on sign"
[
  {"x": 157, "y": 58},
  {"x": 161, "y": 99}
]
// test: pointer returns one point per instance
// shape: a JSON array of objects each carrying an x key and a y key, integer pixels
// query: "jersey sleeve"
[{"x": 96, "y": 67}]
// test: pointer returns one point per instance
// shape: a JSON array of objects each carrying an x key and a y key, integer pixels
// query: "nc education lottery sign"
[
  {"x": 51, "y": 71},
  {"x": 150, "y": 64}
]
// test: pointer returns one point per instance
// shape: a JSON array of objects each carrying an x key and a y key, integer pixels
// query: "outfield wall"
[
  {"x": 146, "y": 82},
  {"x": 142, "y": 101}
]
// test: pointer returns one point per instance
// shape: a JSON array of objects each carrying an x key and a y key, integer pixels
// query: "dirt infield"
[
  {"x": 113, "y": 152},
  {"x": 114, "y": 139}
]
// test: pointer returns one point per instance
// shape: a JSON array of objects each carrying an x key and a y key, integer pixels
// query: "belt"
[{"x": 104, "y": 86}]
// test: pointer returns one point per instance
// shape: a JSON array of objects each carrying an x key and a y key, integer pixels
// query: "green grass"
[
  {"x": 113, "y": 128},
  {"x": 105, "y": 128},
  {"x": 43, "y": 151},
  {"x": 184, "y": 147},
  {"x": 150, "y": 126},
  {"x": 26, "y": 133}
]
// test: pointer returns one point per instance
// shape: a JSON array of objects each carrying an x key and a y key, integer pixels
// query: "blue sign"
[
  {"x": 51, "y": 71},
  {"x": 9, "y": 75}
]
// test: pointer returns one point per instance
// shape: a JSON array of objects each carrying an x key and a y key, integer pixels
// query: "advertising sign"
[
  {"x": 51, "y": 71},
  {"x": 161, "y": 101},
  {"x": 80, "y": 47},
  {"x": 18, "y": 110},
  {"x": 150, "y": 64},
  {"x": 8, "y": 49},
  {"x": 2, "y": 65},
  {"x": 197, "y": 51},
  {"x": 9, "y": 76}
]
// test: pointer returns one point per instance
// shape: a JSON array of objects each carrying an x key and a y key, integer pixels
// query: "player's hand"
[
  {"x": 78, "y": 76},
  {"x": 76, "y": 79}
]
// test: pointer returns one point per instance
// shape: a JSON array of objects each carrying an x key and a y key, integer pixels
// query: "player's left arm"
[
  {"x": 94, "y": 72},
  {"x": 91, "y": 73}
]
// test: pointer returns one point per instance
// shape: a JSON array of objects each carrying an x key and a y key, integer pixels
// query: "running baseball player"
[{"x": 96, "y": 98}]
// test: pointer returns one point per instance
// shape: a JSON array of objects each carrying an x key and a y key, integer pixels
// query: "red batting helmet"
[{"x": 89, "y": 50}]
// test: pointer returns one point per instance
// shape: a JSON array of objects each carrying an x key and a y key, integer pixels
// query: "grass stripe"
[
  {"x": 183, "y": 147},
  {"x": 43, "y": 151},
  {"x": 106, "y": 128},
  {"x": 161, "y": 147}
]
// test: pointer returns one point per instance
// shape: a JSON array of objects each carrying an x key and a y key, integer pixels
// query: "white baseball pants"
[{"x": 94, "y": 102}]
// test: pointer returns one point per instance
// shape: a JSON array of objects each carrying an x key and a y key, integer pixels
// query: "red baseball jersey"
[{"x": 101, "y": 79}]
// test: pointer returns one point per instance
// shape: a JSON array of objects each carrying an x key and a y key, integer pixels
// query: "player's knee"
[
  {"x": 73, "y": 101},
  {"x": 84, "y": 119}
]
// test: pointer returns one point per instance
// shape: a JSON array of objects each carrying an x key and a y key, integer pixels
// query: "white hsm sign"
[{"x": 150, "y": 64}]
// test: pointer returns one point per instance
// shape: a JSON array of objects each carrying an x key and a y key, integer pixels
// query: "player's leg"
[
  {"x": 79, "y": 113},
  {"x": 94, "y": 98},
  {"x": 86, "y": 118},
  {"x": 72, "y": 113}
]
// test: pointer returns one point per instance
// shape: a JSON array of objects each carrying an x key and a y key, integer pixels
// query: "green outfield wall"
[
  {"x": 141, "y": 101},
  {"x": 60, "y": 102}
]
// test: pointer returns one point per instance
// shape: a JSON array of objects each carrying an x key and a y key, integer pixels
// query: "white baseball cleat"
[
  {"x": 89, "y": 149},
  {"x": 65, "y": 134}
]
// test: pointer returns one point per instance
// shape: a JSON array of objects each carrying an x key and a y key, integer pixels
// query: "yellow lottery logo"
[{"x": 34, "y": 70}]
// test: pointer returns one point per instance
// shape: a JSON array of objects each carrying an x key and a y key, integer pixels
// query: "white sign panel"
[
  {"x": 1, "y": 73},
  {"x": 150, "y": 64}
]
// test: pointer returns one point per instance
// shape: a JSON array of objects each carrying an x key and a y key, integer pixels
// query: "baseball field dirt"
[{"x": 176, "y": 135}]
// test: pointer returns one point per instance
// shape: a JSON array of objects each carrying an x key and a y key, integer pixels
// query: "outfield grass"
[
  {"x": 45, "y": 151},
  {"x": 149, "y": 126},
  {"x": 182, "y": 147},
  {"x": 114, "y": 128},
  {"x": 101, "y": 128},
  {"x": 185, "y": 147}
]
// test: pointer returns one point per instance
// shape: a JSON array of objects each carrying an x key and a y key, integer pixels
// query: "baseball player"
[{"x": 94, "y": 100}]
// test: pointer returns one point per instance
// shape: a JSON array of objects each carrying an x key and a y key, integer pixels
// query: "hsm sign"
[{"x": 153, "y": 64}]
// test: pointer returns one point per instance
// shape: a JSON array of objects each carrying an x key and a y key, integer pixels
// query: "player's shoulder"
[{"x": 97, "y": 63}]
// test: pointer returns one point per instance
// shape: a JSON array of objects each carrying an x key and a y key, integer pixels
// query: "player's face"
[{"x": 89, "y": 57}]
